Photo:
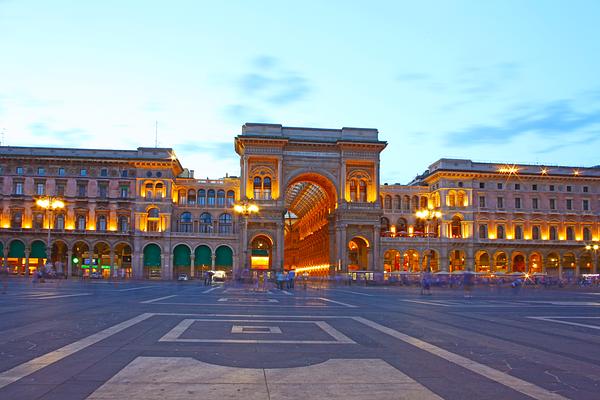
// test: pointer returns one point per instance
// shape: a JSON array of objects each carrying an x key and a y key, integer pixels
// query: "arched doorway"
[
  {"x": 81, "y": 253},
  {"x": 182, "y": 259},
  {"x": 152, "y": 261},
  {"x": 518, "y": 263},
  {"x": 261, "y": 253},
  {"x": 310, "y": 201},
  {"x": 535, "y": 263},
  {"x": 202, "y": 259},
  {"x": 358, "y": 254},
  {"x": 552, "y": 262},
  {"x": 568, "y": 264},
  {"x": 457, "y": 260},
  {"x": 482, "y": 261},
  {"x": 500, "y": 262},
  {"x": 37, "y": 255},
  {"x": 224, "y": 259},
  {"x": 16, "y": 257},
  {"x": 122, "y": 262},
  {"x": 392, "y": 261},
  {"x": 586, "y": 263},
  {"x": 430, "y": 261},
  {"x": 101, "y": 259},
  {"x": 410, "y": 262},
  {"x": 59, "y": 257}
]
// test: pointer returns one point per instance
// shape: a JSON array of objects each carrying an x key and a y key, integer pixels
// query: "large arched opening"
[
  {"x": 152, "y": 261},
  {"x": 182, "y": 259},
  {"x": 358, "y": 254},
  {"x": 80, "y": 259},
  {"x": 16, "y": 257},
  {"x": 261, "y": 253},
  {"x": 310, "y": 201}
]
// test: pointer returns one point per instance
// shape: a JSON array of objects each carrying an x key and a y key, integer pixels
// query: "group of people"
[{"x": 286, "y": 279}]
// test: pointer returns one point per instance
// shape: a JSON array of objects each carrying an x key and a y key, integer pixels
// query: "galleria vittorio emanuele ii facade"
[{"x": 305, "y": 199}]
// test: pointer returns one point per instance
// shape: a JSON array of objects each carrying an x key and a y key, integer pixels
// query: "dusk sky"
[{"x": 503, "y": 81}]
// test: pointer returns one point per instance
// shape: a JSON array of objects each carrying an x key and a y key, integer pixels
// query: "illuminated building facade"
[{"x": 320, "y": 208}]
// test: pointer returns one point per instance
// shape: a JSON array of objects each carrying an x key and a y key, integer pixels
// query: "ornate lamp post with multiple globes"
[
  {"x": 595, "y": 248},
  {"x": 245, "y": 209},
  {"x": 428, "y": 215},
  {"x": 49, "y": 203}
]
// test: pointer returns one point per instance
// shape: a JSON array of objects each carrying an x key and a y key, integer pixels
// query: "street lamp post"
[
  {"x": 594, "y": 247},
  {"x": 49, "y": 203},
  {"x": 428, "y": 215},
  {"x": 245, "y": 209}
]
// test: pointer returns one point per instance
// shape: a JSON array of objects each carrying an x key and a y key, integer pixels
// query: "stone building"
[{"x": 139, "y": 213}]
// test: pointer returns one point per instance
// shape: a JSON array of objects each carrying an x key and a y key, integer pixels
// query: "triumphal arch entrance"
[{"x": 317, "y": 191}]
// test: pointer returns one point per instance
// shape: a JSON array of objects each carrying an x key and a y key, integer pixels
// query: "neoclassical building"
[{"x": 321, "y": 209}]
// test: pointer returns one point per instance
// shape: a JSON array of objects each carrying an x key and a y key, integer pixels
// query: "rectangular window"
[
  {"x": 517, "y": 186},
  {"x": 83, "y": 172},
  {"x": 551, "y": 188},
  {"x": 499, "y": 186},
  {"x": 586, "y": 205},
  {"x": 40, "y": 188},
  {"x": 517, "y": 202},
  {"x": 19, "y": 170},
  {"x": 104, "y": 172},
  {"x": 500, "y": 202},
  {"x": 41, "y": 171},
  {"x": 61, "y": 172},
  {"x": 103, "y": 190},
  {"x": 482, "y": 201},
  {"x": 569, "y": 188},
  {"x": 569, "y": 204},
  {"x": 124, "y": 173},
  {"x": 585, "y": 189},
  {"x": 481, "y": 185},
  {"x": 534, "y": 187},
  {"x": 553, "y": 204},
  {"x": 82, "y": 189},
  {"x": 60, "y": 189},
  {"x": 18, "y": 188},
  {"x": 535, "y": 203},
  {"x": 124, "y": 191}
]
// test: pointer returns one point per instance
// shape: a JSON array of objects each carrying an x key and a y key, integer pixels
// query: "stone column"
[
  {"x": 444, "y": 260},
  {"x": 280, "y": 245},
  {"x": 560, "y": 266},
  {"x": 69, "y": 263},
  {"x": 112, "y": 263},
  {"x": 577, "y": 268},
  {"x": 377, "y": 265},
  {"x": 192, "y": 261},
  {"x": 26, "y": 262},
  {"x": 212, "y": 261},
  {"x": 5, "y": 256}
]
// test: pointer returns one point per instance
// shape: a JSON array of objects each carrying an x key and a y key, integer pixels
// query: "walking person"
[
  {"x": 280, "y": 279},
  {"x": 426, "y": 283},
  {"x": 291, "y": 277}
]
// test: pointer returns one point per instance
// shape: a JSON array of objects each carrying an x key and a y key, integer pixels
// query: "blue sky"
[{"x": 502, "y": 81}]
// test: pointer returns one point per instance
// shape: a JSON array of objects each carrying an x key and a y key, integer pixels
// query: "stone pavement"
[{"x": 146, "y": 340}]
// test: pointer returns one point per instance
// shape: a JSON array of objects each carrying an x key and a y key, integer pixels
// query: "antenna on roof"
[
  {"x": 2, "y": 140},
  {"x": 155, "y": 133}
]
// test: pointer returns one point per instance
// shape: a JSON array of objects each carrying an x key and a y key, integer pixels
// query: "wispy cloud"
[
  {"x": 48, "y": 135},
  {"x": 267, "y": 85},
  {"x": 556, "y": 119}
]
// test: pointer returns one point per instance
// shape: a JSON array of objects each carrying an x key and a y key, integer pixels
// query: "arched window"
[
  {"x": 570, "y": 233},
  {"x": 205, "y": 223},
  {"x": 16, "y": 219},
  {"x": 451, "y": 199},
  {"x": 353, "y": 190},
  {"x": 201, "y": 197},
  {"x": 401, "y": 226},
  {"x": 455, "y": 227},
  {"x": 414, "y": 203},
  {"x": 59, "y": 222},
  {"x": 518, "y": 232},
  {"x": 185, "y": 222},
  {"x": 257, "y": 187},
  {"x": 267, "y": 188},
  {"x": 181, "y": 194},
  {"x": 424, "y": 202},
  {"x": 123, "y": 223},
  {"x": 483, "y": 234},
  {"x": 388, "y": 202},
  {"x": 362, "y": 186},
  {"x": 211, "y": 198},
  {"x": 500, "y": 231},
  {"x": 81, "y": 222},
  {"x": 397, "y": 203},
  {"x": 535, "y": 232},
  {"x": 152, "y": 220},
  {"x": 406, "y": 203},
  {"x": 553, "y": 233},
  {"x": 38, "y": 221},
  {"x": 149, "y": 190},
  {"x": 101, "y": 223},
  {"x": 461, "y": 199},
  {"x": 385, "y": 225},
  {"x": 221, "y": 198},
  {"x": 191, "y": 197},
  {"x": 230, "y": 198},
  {"x": 159, "y": 190},
  {"x": 587, "y": 233},
  {"x": 225, "y": 224}
]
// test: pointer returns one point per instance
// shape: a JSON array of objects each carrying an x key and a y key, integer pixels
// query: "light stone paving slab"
[{"x": 149, "y": 378}]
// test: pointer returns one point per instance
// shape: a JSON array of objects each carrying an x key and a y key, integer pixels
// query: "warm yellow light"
[
  {"x": 576, "y": 172},
  {"x": 527, "y": 237},
  {"x": 58, "y": 204},
  {"x": 44, "y": 203},
  {"x": 544, "y": 171},
  {"x": 508, "y": 236},
  {"x": 253, "y": 208},
  {"x": 237, "y": 208},
  {"x": 491, "y": 236},
  {"x": 508, "y": 169}
]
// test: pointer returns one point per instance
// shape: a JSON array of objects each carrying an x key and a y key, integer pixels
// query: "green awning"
[
  {"x": 181, "y": 256},
  {"x": 202, "y": 256},
  {"x": 260, "y": 252},
  {"x": 224, "y": 257},
  {"x": 38, "y": 249},
  {"x": 152, "y": 256},
  {"x": 16, "y": 249},
  {"x": 1, "y": 249}
]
